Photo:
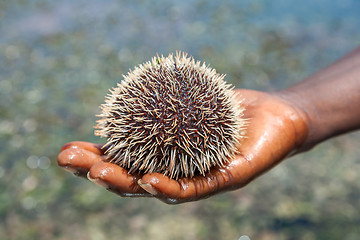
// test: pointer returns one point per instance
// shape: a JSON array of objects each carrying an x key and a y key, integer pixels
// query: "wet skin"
[
  {"x": 282, "y": 123},
  {"x": 275, "y": 130}
]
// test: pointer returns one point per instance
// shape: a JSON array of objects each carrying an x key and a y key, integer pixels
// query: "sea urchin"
[{"x": 171, "y": 115}]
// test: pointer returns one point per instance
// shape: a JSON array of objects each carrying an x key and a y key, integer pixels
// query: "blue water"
[
  {"x": 59, "y": 58},
  {"x": 322, "y": 30},
  {"x": 39, "y": 18}
]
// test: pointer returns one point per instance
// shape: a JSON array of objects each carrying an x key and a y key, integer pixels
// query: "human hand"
[{"x": 276, "y": 129}]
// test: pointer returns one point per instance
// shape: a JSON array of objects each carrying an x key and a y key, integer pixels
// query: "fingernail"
[
  {"x": 147, "y": 187},
  {"x": 97, "y": 181},
  {"x": 66, "y": 146},
  {"x": 70, "y": 169}
]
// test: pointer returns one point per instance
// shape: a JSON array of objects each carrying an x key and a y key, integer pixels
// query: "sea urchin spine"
[{"x": 171, "y": 115}]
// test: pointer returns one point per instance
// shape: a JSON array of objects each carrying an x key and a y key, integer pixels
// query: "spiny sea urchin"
[{"x": 171, "y": 115}]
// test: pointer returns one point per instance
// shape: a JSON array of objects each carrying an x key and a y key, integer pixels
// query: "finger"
[
  {"x": 92, "y": 147},
  {"x": 116, "y": 179},
  {"x": 167, "y": 190},
  {"x": 186, "y": 189},
  {"x": 78, "y": 160}
]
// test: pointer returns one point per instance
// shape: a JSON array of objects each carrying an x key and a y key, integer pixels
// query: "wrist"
[
  {"x": 329, "y": 106},
  {"x": 304, "y": 120}
]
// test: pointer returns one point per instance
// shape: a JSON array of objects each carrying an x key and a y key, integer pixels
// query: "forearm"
[{"x": 330, "y": 99}]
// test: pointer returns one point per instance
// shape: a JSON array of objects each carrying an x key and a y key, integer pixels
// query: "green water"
[{"x": 57, "y": 62}]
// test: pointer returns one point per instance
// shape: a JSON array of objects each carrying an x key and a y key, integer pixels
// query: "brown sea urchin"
[{"x": 171, "y": 115}]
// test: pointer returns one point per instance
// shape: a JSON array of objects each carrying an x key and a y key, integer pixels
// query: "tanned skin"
[{"x": 282, "y": 123}]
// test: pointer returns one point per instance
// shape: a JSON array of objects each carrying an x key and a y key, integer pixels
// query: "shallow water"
[{"x": 59, "y": 58}]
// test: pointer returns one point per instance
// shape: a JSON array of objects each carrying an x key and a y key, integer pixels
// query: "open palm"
[{"x": 276, "y": 129}]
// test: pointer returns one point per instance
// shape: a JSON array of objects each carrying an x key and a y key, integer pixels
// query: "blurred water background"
[{"x": 59, "y": 58}]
